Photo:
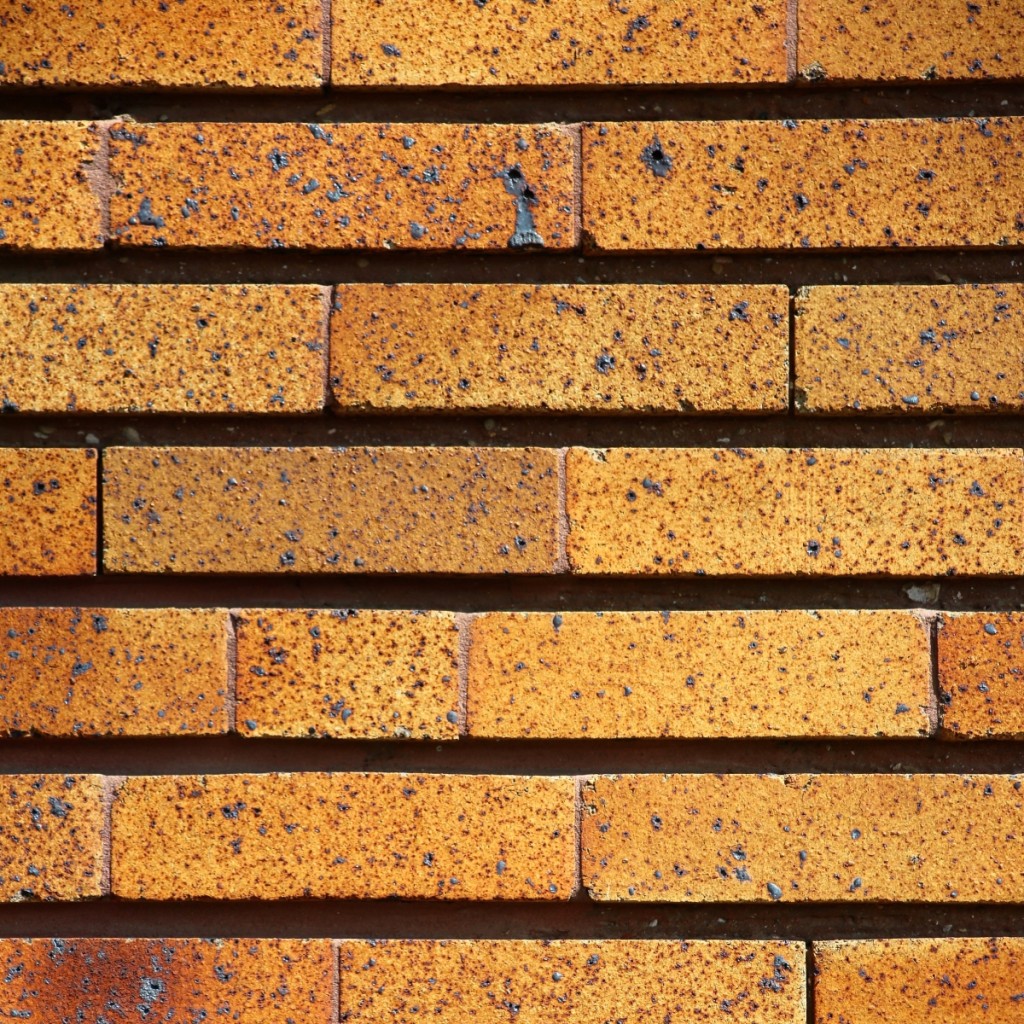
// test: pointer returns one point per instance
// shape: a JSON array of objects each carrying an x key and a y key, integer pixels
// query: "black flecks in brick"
[
  {"x": 525, "y": 233},
  {"x": 146, "y": 215},
  {"x": 655, "y": 159}
]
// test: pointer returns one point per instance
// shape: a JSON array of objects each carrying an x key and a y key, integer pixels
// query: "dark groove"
[
  {"x": 582, "y": 919},
  {"x": 229, "y": 754}
]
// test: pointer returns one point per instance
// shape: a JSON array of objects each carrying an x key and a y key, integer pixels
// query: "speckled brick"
[
  {"x": 197, "y": 43},
  {"x": 344, "y": 836},
  {"x": 804, "y": 184},
  {"x": 775, "y": 511},
  {"x": 887, "y": 40},
  {"x": 554, "y": 981},
  {"x": 804, "y": 838},
  {"x": 113, "y": 671},
  {"x": 906, "y": 981},
  {"x": 587, "y": 42},
  {"x": 176, "y": 348},
  {"x": 889, "y": 349},
  {"x": 48, "y": 200},
  {"x": 699, "y": 674},
  {"x": 167, "y": 980},
  {"x": 51, "y": 845},
  {"x": 981, "y": 675},
  {"x": 564, "y": 348},
  {"x": 347, "y": 673},
  {"x": 48, "y": 511},
  {"x": 252, "y": 510},
  {"x": 344, "y": 186}
]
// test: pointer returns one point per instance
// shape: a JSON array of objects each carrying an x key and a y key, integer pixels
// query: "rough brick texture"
[
  {"x": 821, "y": 838},
  {"x": 564, "y": 348},
  {"x": 315, "y": 835},
  {"x": 163, "y": 348}
]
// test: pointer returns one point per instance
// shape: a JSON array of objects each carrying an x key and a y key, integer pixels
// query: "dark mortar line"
[{"x": 809, "y": 970}]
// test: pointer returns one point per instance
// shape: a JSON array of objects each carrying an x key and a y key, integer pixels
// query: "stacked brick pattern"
[{"x": 720, "y": 560}]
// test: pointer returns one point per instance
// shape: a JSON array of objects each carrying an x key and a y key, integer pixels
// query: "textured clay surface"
[
  {"x": 344, "y": 186},
  {"x": 463, "y": 510},
  {"x": 699, "y": 674},
  {"x": 899, "y": 981},
  {"x": 162, "y": 348},
  {"x": 892, "y": 349},
  {"x": 113, "y": 671},
  {"x": 800, "y": 838},
  {"x": 172, "y": 980},
  {"x": 565, "y": 348},
  {"x": 345, "y": 836},
  {"x": 584, "y": 42},
  {"x": 804, "y": 184},
  {"x": 178, "y": 43},
  {"x": 981, "y": 675},
  {"x": 572, "y": 982},
  {"x": 48, "y": 511},
  {"x": 773, "y": 511},
  {"x": 47, "y": 198},
  {"x": 51, "y": 845},
  {"x": 890, "y": 39},
  {"x": 359, "y": 674}
]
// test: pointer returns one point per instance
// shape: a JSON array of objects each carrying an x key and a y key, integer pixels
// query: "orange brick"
[
  {"x": 804, "y": 184},
  {"x": 981, "y": 675},
  {"x": 773, "y": 511},
  {"x": 586, "y": 42},
  {"x": 555, "y": 981},
  {"x": 345, "y": 836},
  {"x": 888, "y": 40},
  {"x": 957, "y": 348},
  {"x": 47, "y": 198},
  {"x": 366, "y": 674},
  {"x": 167, "y": 979},
  {"x": 163, "y": 348},
  {"x": 113, "y": 671},
  {"x": 345, "y": 186},
  {"x": 51, "y": 845},
  {"x": 566, "y": 348},
  {"x": 804, "y": 838},
  {"x": 463, "y": 510},
  {"x": 899, "y": 981},
  {"x": 699, "y": 674},
  {"x": 47, "y": 511}
]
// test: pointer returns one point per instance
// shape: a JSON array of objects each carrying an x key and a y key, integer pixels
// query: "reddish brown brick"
[
  {"x": 366, "y": 674},
  {"x": 167, "y": 979},
  {"x": 587, "y": 42},
  {"x": 164, "y": 45},
  {"x": 47, "y": 511},
  {"x": 889, "y": 40},
  {"x": 900, "y": 981},
  {"x": 463, "y": 510},
  {"x": 981, "y": 675},
  {"x": 163, "y": 348},
  {"x": 565, "y": 348},
  {"x": 773, "y": 511},
  {"x": 47, "y": 198},
  {"x": 804, "y": 838},
  {"x": 113, "y": 671},
  {"x": 345, "y": 186},
  {"x": 956, "y": 348},
  {"x": 554, "y": 981},
  {"x": 804, "y": 184},
  {"x": 51, "y": 845},
  {"x": 699, "y": 674},
  {"x": 344, "y": 836}
]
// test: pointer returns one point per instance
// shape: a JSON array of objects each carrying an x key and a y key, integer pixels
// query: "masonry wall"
[{"x": 511, "y": 509}]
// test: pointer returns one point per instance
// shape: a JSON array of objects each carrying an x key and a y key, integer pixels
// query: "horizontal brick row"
[
  {"x": 586, "y": 42},
  {"x": 645, "y": 838},
  {"x": 664, "y": 185},
  {"x": 509, "y": 348}
]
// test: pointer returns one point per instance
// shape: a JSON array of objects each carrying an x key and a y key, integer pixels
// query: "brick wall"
[{"x": 512, "y": 510}]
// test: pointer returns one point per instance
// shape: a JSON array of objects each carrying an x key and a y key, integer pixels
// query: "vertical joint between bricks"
[
  {"x": 325, "y": 34},
  {"x": 329, "y": 296},
  {"x": 231, "y": 686},
  {"x": 577, "y": 184},
  {"x": 934, "y": 623},
  {"x": 791, "y": 355},
  {"x": 463, "y": 623},
  {"x": 562, "y": 553},
  {"x": 99, "y": 177},
  {"x": 809, "y": 981},
  {"x": 577, "y": 831},
  {"x": 111, "y": 784},
  {"x": 792, "y": 37},
  {"x": 335, "y": 1010}
]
